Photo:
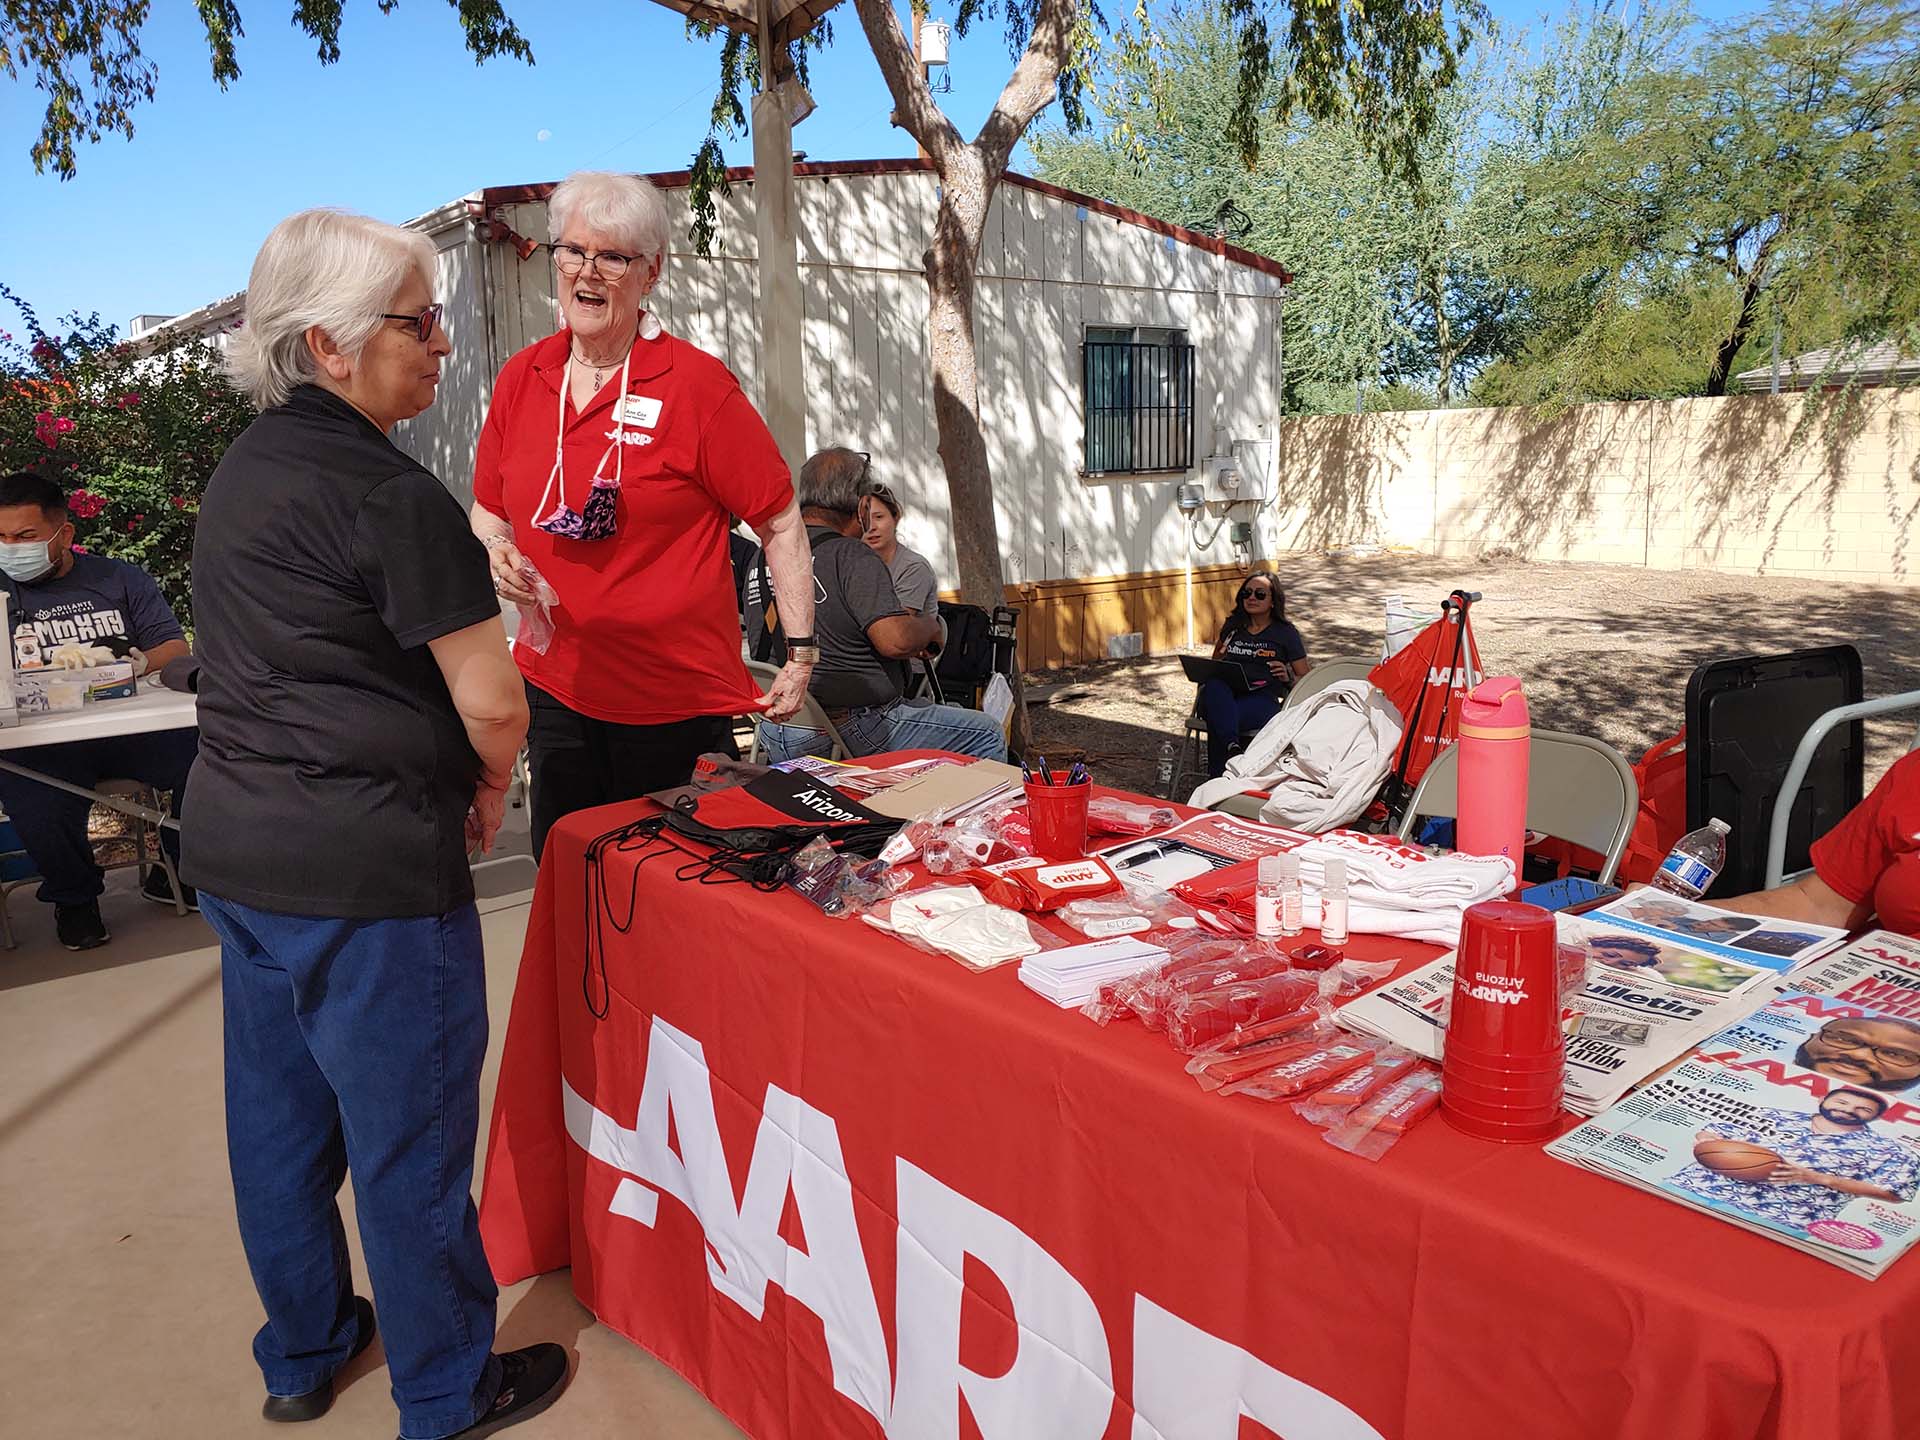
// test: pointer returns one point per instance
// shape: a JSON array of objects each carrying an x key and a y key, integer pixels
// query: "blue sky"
[{"x": 403, "y": 123}]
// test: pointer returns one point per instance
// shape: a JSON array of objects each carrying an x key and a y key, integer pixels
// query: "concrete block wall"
[{"x": 1748, "y": 484}]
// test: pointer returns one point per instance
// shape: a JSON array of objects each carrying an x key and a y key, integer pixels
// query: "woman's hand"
[
  {"x": 503, "y": 562},
  {"x": 788, "y": 691},
  {"x": 484, "y": 817},
  {"x": 1282, "y": 670}
]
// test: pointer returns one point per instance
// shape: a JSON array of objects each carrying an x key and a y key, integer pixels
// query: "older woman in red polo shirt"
[
  {"x": 1866, "y": 868},
  {"x": 613, "y": 459}
]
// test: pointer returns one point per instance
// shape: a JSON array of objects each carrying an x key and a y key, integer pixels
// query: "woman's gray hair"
[
  {"x": 328, "y": 268},
  {"x": 626, "y": 207},
  {"x": 830, "y": 481}
]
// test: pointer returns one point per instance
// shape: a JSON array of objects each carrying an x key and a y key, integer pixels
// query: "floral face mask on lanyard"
[{"x": 595, "y": 519}]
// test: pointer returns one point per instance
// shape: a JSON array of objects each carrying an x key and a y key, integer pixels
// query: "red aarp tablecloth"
[{"x": 850, "y": 1189}]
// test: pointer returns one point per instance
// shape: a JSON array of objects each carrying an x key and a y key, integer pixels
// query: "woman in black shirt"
[{"x": 1257, "y": 636}]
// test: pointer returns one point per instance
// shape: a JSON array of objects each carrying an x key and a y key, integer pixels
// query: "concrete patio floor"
[{"x": 127, "y": 1307}]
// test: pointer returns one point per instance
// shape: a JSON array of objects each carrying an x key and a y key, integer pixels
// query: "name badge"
[{"x": 640, "y": 410}]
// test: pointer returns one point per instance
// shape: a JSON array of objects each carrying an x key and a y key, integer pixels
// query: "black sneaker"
[
  {"x": 157, "y": 888},
  {"x": 291, "y": 1409},
  {"x": 80, "y": 926},
  {"x": 530, "y": 1381}
]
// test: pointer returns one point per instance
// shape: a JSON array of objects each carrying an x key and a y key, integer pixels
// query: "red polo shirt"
[
  {"x": 1874, "y": 854},
  {"x": 647, "y": 631}
]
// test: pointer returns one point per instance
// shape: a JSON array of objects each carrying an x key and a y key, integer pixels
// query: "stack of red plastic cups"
[{"x": 1504, "y": 1070}]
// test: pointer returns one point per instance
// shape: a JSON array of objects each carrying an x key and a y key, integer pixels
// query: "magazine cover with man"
[{"x": 1799, "y": 1122}]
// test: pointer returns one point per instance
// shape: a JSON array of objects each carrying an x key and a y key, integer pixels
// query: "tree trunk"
[
  {"x": 1752, "y": 286},
  {"x": 956, "y": 402}
]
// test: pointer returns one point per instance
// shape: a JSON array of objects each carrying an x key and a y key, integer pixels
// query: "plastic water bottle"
[
  {"x": 1695, "y": 863},
  {"x": 1494, "y": 750},
  {"x": 1163, "y": 772}
]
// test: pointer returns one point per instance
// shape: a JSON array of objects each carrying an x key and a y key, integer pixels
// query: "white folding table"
[{"x": 153, "y": 708}]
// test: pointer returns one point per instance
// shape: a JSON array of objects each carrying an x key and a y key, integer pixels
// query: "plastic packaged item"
[
  {"x": 1266, "y": 898},
  {"x": 1030, "y": 883},
  {"x": 1197, "y": 1018},
  {"x": 1111, "y": 815},
  {"x": 1163, "y": 770},
  {"x": 963, "y": 844},
  {"x": 1318, "y": 1066},
  {"x": 957, "y": 921},
  {"x": 1311, "y": 956},
  {"x": 1695, "y": 862},
  {"x": 842, "y": 885},
  {"x": 1292, "y": 900},
  {"x": 1256, "y": 1047},
  {"x": 1343, "y": 1096},
  {"x": 1103, "y": 919},
  {"x": 1333, "y": 902},
  {"x": 536, "y": 620},
  {"x": 1375, "y": 1126},
  {"x": 1196, "y": 959}
]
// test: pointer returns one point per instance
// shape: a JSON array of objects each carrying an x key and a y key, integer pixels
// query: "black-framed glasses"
[
  {"x": 570, "y": 260},
  {"x": 1249, "y": 593},
  {"x": 424, "y": 324}
]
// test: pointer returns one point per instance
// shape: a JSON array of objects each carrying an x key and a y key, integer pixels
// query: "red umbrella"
[{"x": 1422, "y": 681}]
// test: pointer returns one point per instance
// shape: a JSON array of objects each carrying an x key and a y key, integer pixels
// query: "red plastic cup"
[
  {"x": 1058, "y": 817},
  {"x": 1479, "y": 1095},
  {"x": 1506, "y": 982},
  {"x": 1504, "y": 1069},
  {"x": 1513, "y": 1128}
]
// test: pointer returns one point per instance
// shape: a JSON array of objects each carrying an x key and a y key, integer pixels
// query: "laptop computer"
[{"x": 1200, "y": 670}]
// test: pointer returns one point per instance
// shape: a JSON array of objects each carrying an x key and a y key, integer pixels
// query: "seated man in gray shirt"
[{"x": 865, "y": 636}]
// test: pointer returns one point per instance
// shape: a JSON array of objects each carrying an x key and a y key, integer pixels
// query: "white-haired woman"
[
  {"x": 614, "y": 459},
  {"x": 359, "y": 719}
]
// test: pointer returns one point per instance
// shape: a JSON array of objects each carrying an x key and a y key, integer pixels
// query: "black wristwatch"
[{"x": 806, "y": 642}]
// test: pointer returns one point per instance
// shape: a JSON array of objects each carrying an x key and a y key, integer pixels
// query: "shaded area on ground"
[{"x": 1604, "y": 650}]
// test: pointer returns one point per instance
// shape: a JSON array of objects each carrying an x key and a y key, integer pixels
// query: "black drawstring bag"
[{"x": 742, "y": 834}]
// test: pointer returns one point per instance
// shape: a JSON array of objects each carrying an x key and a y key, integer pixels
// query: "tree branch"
[
  {"x": 1031, "y": 87},
  {"x": 913, "y": 108}
]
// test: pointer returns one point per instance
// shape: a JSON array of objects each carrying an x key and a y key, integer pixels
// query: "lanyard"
[{"x": 558, "y": 474}]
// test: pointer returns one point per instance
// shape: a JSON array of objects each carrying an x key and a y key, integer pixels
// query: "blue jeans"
[
  {"x": 1229, "y": 716},
  {"x": 355, "y": 1046},
  {"x": 902, "y": 726}
]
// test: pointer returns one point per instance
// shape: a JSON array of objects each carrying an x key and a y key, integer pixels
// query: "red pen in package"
[
  {"x": 1033, "y": 884},
  {"x": 1323, "y": 1062},
  {"x": 1340, "y": 1099},
  {"x": 1195, "y": 961},
  {"x": 1249, "y": 1050},
  {"x": 1197, "y": 1018},
  {"x": 1371, "y": 1130}
]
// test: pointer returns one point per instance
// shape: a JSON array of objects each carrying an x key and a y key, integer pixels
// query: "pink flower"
[
  {"x": 79, "y": 549},
  {"x": 138, "y": 519},
  {"x": 128, "y": 401},
  {"x": 132, "y": 526},
  {"x": 64, "y": 426},
  {"x": 180, "y": 502},
  {"x": 85, "y": 504}
]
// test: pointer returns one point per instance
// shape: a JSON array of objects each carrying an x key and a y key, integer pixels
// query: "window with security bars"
[{"x": 1137, "y": 384}]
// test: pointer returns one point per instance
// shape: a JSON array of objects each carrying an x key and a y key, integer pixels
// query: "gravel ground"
[{"x": 1605, "y": 650}]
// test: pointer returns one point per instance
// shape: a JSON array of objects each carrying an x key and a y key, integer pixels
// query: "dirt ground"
[{"x": 1604, "y": 650}]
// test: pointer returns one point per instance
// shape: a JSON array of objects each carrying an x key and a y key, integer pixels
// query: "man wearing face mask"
[{"x": 63, "y": 597}]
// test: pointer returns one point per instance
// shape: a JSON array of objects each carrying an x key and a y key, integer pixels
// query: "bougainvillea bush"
[{"x": 131, "y": 431}]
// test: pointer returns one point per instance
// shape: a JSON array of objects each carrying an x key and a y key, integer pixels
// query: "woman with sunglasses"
[
  {"x": 1257, "y": 637},
  {"x": 359, "y": 722},
  {"x": 912, "y": 573},
  {"x": 613, "y": 460}
]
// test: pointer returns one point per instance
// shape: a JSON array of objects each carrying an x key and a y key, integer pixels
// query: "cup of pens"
[{"x": 1057, "y": 809}]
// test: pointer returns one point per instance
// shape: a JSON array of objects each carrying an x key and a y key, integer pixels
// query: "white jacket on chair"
[{"x": 1322, "y": 761}]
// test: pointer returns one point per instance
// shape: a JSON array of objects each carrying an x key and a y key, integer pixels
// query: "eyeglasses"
[
  {"x": 607, "y": 264},
  {"x": 1261, "y": 594},
  {"x": 1858, "y": 1044},
  {"x": 424, "y": 324}
]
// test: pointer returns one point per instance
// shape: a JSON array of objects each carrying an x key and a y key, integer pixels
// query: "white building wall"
[{"x": 1047, "y": 270}]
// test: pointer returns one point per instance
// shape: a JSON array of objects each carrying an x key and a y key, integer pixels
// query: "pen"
[
  {"x": 1046, "y": 772},
  {"x": 1025, "y": 773}
]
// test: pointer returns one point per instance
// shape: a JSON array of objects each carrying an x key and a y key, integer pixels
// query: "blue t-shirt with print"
[{"x": 99, "y": 601}]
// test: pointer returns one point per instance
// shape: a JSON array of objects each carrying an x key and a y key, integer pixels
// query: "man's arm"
[
  {"x": 160, "y": 654},
  {"x": 790, "y": 567},
  {"x": 901, "y": 637}
]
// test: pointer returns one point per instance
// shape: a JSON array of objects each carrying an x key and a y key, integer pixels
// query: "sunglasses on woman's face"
[
  {"x": 1260, "y": 594},
  {"x": 424, "y": 324}
]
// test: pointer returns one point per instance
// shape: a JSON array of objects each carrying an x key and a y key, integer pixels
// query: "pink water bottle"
[{"x": 1494, "y": 738}]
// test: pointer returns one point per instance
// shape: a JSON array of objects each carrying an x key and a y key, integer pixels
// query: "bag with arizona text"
[{"x": 777, "y": 813}]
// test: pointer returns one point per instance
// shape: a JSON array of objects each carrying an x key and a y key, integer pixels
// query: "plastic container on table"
[{"x": 1057, "y": 815}]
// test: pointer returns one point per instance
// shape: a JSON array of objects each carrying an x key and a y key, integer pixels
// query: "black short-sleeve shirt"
[
  {"x": 1279, "y": 641},
  {"x": 334, "y": 774}
]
